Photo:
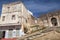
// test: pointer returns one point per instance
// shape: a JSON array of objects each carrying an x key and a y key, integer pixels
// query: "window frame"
[
  {"x": 13, "y": 17},
  {"x": 3, "y": 18}
]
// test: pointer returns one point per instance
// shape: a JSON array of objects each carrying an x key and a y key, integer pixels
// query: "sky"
[{"x": 37, "y": 7}]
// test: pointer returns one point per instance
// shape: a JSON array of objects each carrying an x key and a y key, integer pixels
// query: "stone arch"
[{"x": 54, "y": 21}]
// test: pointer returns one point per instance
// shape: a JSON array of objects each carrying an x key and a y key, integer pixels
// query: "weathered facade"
[
  {"x": 51, "y": 19},
  {"x": 15, "y": 18},
  {"x": 50, "y": 28},
  {"x": 16, "y": 21}
]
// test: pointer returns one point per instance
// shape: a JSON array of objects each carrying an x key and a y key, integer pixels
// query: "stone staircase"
[{"x": 38, "y": 33}]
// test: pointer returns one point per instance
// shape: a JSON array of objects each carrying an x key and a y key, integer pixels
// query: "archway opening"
[
  {"x": 3, "y": 34},
  {"x": 54, "y": 21},
  {"x": 25, "y": 30}
]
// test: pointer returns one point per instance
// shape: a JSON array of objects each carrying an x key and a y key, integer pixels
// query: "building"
[
  {"x": 50, "y": 24},
  {"x": 15, "y": 18},
  {"x": 51, "y": 19},
  {"x": 17, "y": 21}
]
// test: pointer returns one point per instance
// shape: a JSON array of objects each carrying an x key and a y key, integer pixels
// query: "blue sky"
[{"x": 37, "y": 7}]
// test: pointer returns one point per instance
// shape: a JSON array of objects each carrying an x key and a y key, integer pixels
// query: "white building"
[{"x": 13, "y": 19}]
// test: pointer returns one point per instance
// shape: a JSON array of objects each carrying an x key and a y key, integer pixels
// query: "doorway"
[
  {"x": 3, "y": 34},
  {"x": 25, "y": 30},
  {"x": 54, "y": 21}
]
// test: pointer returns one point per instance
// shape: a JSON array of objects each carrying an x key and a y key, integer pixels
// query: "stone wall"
[{"x": 46, "y": 19}]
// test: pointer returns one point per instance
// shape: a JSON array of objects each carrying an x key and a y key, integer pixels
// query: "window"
[
  {"x": 26, "y": 21},
  {"x": 3, "y": 18},
  {"x": 13, "y": 17},
  {"x": 8, "y": 8}
]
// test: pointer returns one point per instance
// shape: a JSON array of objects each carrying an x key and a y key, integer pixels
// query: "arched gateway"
[{"x": 54, "y": 21}]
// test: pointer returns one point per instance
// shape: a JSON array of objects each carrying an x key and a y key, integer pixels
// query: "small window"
[
  {"x": 13, "y": 17},
  {"x": 3, "y": 18},
  {"x": 26, "y": 21},
  {"x": 8, "y": 8}
]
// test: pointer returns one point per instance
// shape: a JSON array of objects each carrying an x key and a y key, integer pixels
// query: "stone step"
[{"x": 40, "y": 33}]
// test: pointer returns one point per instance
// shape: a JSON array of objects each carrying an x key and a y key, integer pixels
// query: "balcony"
[{"x": 9, "y": 24}]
